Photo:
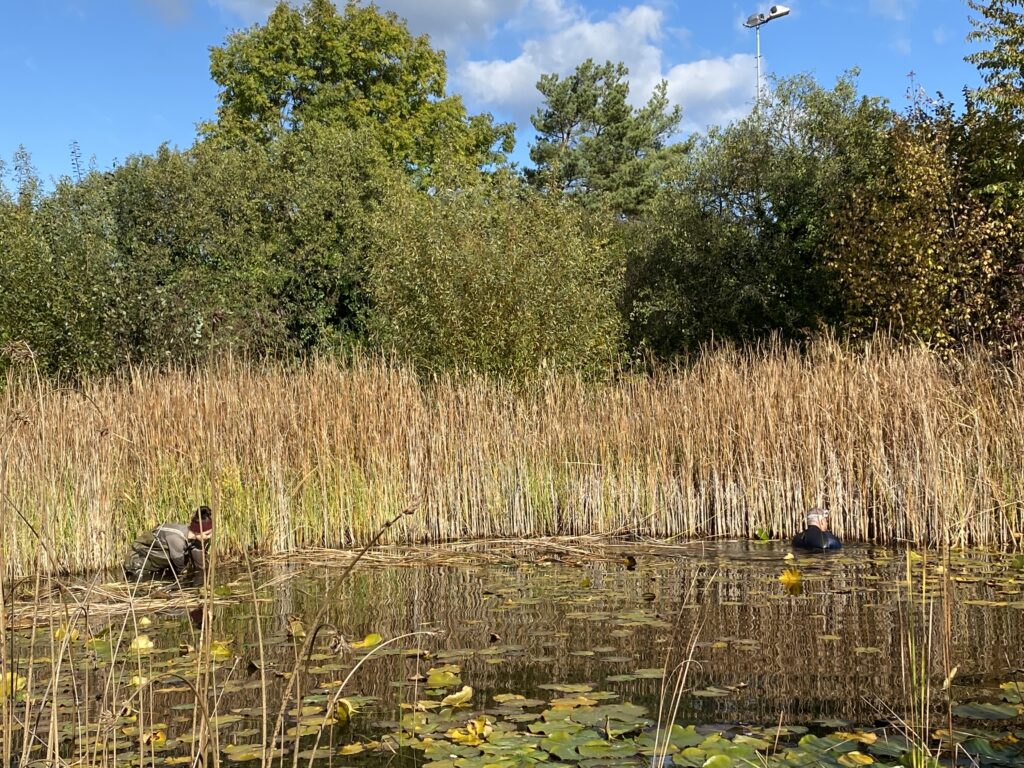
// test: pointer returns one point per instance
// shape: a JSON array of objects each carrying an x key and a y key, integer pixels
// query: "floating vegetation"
[{"x": 549, "y": 655}]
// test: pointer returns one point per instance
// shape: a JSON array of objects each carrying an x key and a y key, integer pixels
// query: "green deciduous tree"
[
  {"x": 918, "y": 249},
  {"x": 360, "y": 69},
  {"x": 590, "y": 141},
  {"x": 1000, "y": 25},
  {"x": 495, "y": 278},
  {"x": 734, "y": 246}
]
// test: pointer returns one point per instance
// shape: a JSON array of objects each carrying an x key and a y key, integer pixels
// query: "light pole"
[{"x": 755, "y": 21}]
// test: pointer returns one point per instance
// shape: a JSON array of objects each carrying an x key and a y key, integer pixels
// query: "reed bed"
[{"x": 901, "y": 444}]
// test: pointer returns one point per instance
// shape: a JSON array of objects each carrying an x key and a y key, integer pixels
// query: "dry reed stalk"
[{"x": 900, "y": 443}]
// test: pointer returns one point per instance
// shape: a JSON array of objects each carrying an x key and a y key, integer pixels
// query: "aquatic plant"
[{"x": 900, "y": 443}]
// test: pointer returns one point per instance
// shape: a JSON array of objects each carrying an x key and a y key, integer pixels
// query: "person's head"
[
  {"x": 818, "y": 517},
  {"x": 201, "y": 525}
]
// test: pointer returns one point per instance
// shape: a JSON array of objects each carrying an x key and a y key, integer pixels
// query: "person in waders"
[
  {"x": 171, "y": 551},
  {"x": 816, "y": 536}
]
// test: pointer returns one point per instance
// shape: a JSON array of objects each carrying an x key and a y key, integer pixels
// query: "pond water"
[{"x": 818, "y": 644}]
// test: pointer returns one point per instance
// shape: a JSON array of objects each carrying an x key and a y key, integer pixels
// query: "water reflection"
[{"x": 835, "y": 650}]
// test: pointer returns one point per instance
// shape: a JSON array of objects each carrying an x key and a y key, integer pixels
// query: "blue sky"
[{"x": 122, "y": 76}]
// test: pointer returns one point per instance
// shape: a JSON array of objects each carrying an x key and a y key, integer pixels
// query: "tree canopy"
[
  {"x": 590, "y": 140},
  {"x": 359, "y": 69}
]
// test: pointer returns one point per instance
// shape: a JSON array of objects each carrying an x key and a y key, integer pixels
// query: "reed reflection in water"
[{"x": 834, "y": 651}]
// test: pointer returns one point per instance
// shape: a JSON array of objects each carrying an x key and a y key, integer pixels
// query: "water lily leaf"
[
  {"x": 676, "y": 738},
  {"x": 505, "y": 698},
  {"x": 243, "y": 753},
  {"x": 619, "y": 716},
  {"x": 1013, "y": 691},
  {"x": 567, "y": 687},
  {"x": 711, "y": 692},
  {"x": 459, "y": 699},
  {"x": 352, "y": 749},
  {"x": 607, "y": 749},
  {"x": 571, "y": 702},
  {"x": 652, "y": 673},
  {"x": 446, "y": 676},
  {"x": 718, "y": 761},
  {"x": 984, "y": 711},
  {"x": 854, "y": 759},
  {"x": 320, "y": 753},
  {"x": 371, "y": 640}
]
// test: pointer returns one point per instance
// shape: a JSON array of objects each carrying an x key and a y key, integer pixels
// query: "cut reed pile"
[{"x": 901, "y": 445}]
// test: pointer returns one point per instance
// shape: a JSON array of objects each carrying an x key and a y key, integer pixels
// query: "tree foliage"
[
  {"x": 359, "y": 69},
  {"x": 495, "y": 278},
  {"x": 734, "y": 246},
  {"x": 592, "y": 142},
  {"x": 918, "y": 249},
  {"x": 1000, "y": 25}
]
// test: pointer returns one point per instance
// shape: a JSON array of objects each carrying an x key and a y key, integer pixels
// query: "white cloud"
[
  {"x": 453, "y": 23},
  {"x": 940, "y": 35},
  {"x": 710, "y": 91},
  {"x": 902, "y": 46},
  {"x": 171, "y": 11},
  {"x": 248, "y": 10},
  {"x": 898, "y": 10},
  {"x": 713, "y": 91}
]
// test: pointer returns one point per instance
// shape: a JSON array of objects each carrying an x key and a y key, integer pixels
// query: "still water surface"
[
  {"x": 519, "y": 620},
  {"x": 837, "y": 650}
]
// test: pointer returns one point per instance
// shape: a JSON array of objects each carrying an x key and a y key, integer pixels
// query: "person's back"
[
  {"x": 170, "y": 550},
  {"x": 816, "y": 536}
]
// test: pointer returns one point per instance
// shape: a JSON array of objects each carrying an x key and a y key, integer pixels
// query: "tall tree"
[
  {"x": 918, "y": 251},
  {"x": 494, "y": 278},
  {"x": 360, "y": 69},
  {"x": 592, "y": 142},
  {"x": 1001, "y": 26},
  {"x": 734, "y": 246}
]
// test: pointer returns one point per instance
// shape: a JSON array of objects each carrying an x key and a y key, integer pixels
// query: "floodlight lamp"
[
  {"x": 755, "y": 20},
  {"x": 776, "y": 11}
]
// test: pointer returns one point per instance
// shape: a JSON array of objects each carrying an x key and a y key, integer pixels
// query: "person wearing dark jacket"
[
  {"x": 170, "y": 551},
  {"x": 816, "y": 536}
]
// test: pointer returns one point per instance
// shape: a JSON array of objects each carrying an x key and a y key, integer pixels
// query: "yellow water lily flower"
[
  {"x": 791, "y": 577},
  {"x": 220, "y": 650},
  {"x": 344, "y": 710},
  {"x": 63, "y": 631},
  {"x": 142, "y": 643},
  {"x": 474, "y": 734}
]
